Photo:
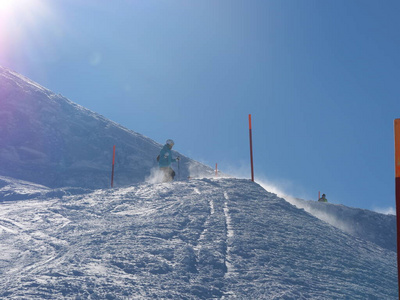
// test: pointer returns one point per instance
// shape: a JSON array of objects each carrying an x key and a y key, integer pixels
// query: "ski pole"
[
  {"x": 112, "y": 171},
  {"x": 179, "y": 170}
]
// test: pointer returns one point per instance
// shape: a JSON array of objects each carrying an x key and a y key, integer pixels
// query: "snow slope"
[
  {"x": 198, "y": 239},
  {"x": 63, "y": 235},
  {"x": 365, "y": 224},
  {"x": 49, "y": 140}
]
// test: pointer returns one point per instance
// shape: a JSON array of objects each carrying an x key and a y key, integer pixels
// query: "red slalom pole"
[
  {"x": 251, "y": 150},
  {"x": 216, "y": 169},
  {"x": 397, "y": 172},
  {"x": 112, "y": 172}
]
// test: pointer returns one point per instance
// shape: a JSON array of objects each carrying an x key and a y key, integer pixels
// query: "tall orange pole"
[
  {"x": 112, "y": 172},
  {"x": 397, "y": 171},
  {"x": 251, "y": 150}
]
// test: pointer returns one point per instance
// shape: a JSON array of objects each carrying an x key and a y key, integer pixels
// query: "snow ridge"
[
  {"x": 47, "y": 139},
  {"x": 360, "y": 223}
]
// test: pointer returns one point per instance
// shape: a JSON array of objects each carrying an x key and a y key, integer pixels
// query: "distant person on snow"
[
  {"x": 323, "y": 198},
  {"x": 165, "y": 159}
]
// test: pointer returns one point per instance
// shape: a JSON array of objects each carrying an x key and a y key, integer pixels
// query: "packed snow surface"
[{"x": 197, "y": 239}]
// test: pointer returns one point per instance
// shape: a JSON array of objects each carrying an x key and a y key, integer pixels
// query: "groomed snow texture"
[{"x": 198, "y": 239}]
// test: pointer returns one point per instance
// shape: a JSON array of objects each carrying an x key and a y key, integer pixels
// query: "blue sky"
[{"x": 320, "y": 79}]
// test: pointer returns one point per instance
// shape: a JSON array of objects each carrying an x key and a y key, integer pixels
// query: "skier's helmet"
[{"x": 170, "y": 143}]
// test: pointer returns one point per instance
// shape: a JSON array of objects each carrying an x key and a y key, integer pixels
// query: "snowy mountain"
[
  {"x": 197, "y": 239},
  {"x": 65, "y": 235},
  {"x": 47, "y": 139}
]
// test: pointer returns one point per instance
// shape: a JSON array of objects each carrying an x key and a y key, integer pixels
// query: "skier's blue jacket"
[{"x": 165, "y": 157}]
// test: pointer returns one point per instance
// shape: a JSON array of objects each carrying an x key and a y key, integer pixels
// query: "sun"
[
  {"x": 21, "y": 22},
  {"x": 21, "y": 8},
  {"x": 13, "y": 6},
  {"x": 16, "y": 16},
  {"x": 6, "y": 4},
  {"x": 20, "y": 14}
]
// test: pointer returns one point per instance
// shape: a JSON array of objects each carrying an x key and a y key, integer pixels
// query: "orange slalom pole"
[
  {"x": 397, "y": 174},
  {"x": 251, "y": 150},
  {"x": 112, "y": 172}
]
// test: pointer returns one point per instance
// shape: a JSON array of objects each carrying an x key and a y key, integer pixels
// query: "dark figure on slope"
[
  {"x": 165, "y": 160},
  {"x": 323, "y": 198}
]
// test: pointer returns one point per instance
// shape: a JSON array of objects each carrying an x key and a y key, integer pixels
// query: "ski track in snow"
[
  {"x": 230, "y": 234},
  {"x": 34, "y": 249},
  {"x": 199, "y": 239}
]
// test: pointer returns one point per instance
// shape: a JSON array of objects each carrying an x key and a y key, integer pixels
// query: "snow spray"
[
  {"x": 112, "y": 172},
  {"x": 251, "y": 150},
  {"x": 397, "y": 172}
]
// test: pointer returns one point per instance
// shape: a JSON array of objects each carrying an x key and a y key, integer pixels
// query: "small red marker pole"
[
  {"x": 216, "y": 169},
  {"x": 397, "y": 172},
  {"x": 112, "y": 172},
  {"x": 319, "y": 195},
  {"x": 251, "y": 150}
]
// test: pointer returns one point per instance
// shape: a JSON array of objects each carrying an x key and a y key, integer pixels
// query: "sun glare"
[
  {"x": 5, "y": 4},
  {"x": 21, "y": 8},
  {"x": 21, "y": 21},
  {"x": 8, "y": 7}
]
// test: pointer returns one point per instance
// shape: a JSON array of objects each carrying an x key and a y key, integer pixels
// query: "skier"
[
  {"x": 165, "y": 159},
  {"x": 323, "y": 198}
]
